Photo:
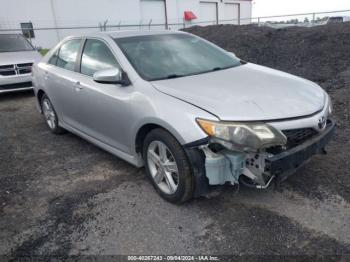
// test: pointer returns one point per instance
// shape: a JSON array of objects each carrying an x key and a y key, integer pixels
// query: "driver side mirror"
[{"x": 111, "y": 76}]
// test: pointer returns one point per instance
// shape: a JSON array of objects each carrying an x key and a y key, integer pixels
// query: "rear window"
[{"x": 14, "y": 43}]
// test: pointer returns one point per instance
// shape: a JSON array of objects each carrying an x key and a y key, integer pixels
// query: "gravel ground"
[{"x": 61, "y": 196}]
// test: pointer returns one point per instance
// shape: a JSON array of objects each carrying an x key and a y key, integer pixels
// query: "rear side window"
[
  {"x": 96, "y": 56},
  {"x": 67, "y": 55}
]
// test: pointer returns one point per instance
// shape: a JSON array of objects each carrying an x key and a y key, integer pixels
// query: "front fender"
[{"x": 174, "y": 115}]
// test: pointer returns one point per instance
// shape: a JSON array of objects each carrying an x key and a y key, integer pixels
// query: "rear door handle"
[{"x": 78, "y": 86}]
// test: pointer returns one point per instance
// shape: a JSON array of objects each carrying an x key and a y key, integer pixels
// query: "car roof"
[
  {"x": 122, "y": 34},
  {"x": 131, "y": 33}
]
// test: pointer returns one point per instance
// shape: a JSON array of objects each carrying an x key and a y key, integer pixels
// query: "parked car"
[
  {"x": 193, "y": 114},
  {"x": 338, "y": 19},
  {"x": 17, "y": 56}
]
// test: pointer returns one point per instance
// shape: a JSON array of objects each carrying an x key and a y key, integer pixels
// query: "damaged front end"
[{"x": 252, "y": 154}]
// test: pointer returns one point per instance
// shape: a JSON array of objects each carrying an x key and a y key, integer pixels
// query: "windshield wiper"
[
  {"x": 171, "y": 76},
  {"x": 167, "y": 77},
  {"x": 174, "y": 76}
]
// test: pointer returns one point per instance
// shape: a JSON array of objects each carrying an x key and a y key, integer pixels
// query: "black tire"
[
  {"x": 185, "y": 186},
  {"x": 56, "y": 129}
]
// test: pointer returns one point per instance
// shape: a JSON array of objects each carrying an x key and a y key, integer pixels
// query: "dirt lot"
[
  {"x": 61, "y": 196},
  {"x": 320, "y": 54}
]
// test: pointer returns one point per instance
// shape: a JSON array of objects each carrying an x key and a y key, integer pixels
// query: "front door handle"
[
  {"x": 46, "y": 75},
  {"x": 78, "y": 86}
]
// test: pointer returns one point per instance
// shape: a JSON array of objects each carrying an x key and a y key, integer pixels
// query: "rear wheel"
[
  {"x": 50, "y": 115},
  {"x": 167, "y": 166}
]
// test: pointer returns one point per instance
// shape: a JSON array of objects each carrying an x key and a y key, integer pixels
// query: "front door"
[{"x": 103, "y": 109}]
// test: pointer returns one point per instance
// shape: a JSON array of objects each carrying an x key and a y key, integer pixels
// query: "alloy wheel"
[
  {"x": 163, "y": 167},
  {"x": 49, "y": 113}
]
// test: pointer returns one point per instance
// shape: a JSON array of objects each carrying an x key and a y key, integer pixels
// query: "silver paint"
[{"x": 111, "y": 115}]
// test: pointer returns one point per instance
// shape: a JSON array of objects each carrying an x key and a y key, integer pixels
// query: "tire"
[
  {"x": 183, "y": 179},
  {"x": 50, "y": 116}
]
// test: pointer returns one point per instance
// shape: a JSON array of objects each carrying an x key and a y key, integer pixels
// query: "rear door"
[
  {"x": 103, "y": 109},
  {"x": 60, "y": 79}
]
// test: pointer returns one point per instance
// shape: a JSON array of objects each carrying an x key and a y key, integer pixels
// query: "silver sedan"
[{"x": 192, "y": 113}]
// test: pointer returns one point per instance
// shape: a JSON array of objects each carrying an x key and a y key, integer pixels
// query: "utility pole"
[{"x": 55, "y": 20}]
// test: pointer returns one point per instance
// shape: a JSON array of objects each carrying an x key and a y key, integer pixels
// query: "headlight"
[{"x": 243, "y": 136}]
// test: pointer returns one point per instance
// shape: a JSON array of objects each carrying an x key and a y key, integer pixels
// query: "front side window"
[
  {"x": 67, "y": 55},
  {"x": 14, "y": 43},
  {"x": 157, "y": 57},
  {"x": 96, "y": 56}
]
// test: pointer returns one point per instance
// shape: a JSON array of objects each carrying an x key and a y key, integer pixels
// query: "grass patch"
[{"x": 44, "y": 51}]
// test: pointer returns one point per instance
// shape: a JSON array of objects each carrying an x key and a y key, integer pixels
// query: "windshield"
[
  {"x": 157, "y": 57},
  {"x": 14, "y": 43}
]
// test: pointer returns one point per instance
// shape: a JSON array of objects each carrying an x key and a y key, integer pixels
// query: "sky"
[{"x": 281, "y": 7}]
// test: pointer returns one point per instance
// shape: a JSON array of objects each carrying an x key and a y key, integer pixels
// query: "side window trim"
[
  {"x": 55, "y": 53},
  {"x": 80, "y": 55}
]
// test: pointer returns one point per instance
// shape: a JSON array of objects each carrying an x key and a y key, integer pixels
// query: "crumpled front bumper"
[
  {"x": 287, "y": 162},
  {"x": 280, "y": 165}
]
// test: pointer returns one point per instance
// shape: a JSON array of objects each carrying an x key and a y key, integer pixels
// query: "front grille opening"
[
  {"x": 24, "y": 65},
  {"x": 15, "y": 86},
  {"x": 298, "y": 136},
  {"x": 18, "y": 69},
  {"x": 25, "y": 71},
  {"x": 295, "y": 137},
  {"x": 6, "y": 67},
  {"x": 8, "y": 73}
]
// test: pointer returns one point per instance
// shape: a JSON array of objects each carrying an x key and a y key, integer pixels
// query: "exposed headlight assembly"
[{"x": 243, "y": 136}]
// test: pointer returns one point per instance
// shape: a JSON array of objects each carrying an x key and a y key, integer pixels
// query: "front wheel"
[{"x": 167, "y": 166}]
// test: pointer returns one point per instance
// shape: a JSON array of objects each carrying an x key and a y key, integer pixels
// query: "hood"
[
  {"x": 8, "y": 58},
  {"x": 247, "y": 93}
]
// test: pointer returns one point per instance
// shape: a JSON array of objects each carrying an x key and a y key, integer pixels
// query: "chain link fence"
[{"x": 48, "y": 36}]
